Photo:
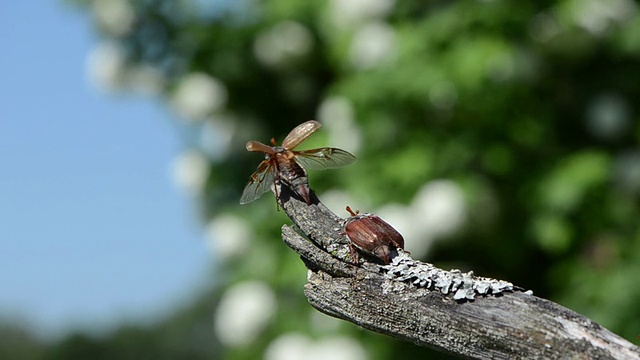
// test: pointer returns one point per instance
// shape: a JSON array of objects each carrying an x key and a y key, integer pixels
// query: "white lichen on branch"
[{"x": 462, "y": 286}]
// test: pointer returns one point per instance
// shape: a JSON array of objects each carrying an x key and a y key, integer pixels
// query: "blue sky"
[{"x": 92, "y": 229}]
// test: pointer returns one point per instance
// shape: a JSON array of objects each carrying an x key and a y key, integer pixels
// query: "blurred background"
[{"x": 498, "y": 139}]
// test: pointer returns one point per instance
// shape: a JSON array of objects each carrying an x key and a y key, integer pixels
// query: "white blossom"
[
  {"x": 190, "y": 171},
  {"x": 217, "y": 136},
  {"x": 339, "y": 348},
  {"x": 372, "y": 45},
  {"x": 116, "y": 17},
  {"x": 295, "y": 346},
  {"x": 198, "y": 95},
  {"x": 597, "y": 16},
  {"x": 283, "y": 41},
  {"x": 608, "y": 117},
  {"x": 243, "y": 313},
  {"x": 337, "y": 115},
  {"x": 441, "y": 208},
  {"x": 228, "y": 236},
  {"x": 145, "y": 79},
  {"x": 346, "y": 14},
  {"x": 106, "y": 66},
  {"x": 108, "y": 70}
]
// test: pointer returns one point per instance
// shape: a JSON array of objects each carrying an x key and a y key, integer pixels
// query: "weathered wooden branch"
[{"x": 503, "y": 323}]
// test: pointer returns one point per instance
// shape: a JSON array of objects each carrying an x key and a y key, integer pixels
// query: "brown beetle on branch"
[
  {"x": 285, "y": 166},
  {"x": 372, "y": 235}
]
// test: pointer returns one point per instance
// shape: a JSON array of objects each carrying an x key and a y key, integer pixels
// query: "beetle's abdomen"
[{"x": 293, "y": 175}]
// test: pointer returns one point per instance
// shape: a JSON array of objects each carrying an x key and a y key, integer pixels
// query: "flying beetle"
[{"x": 285, "y": 166}]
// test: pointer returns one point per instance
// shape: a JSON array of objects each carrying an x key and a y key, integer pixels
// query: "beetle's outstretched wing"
[
  {"x": 259, "y": 183},
  {"x": 258, "y": 146},
  {"x": 299, "y": 133},
  {"x": 324, "y": 158}
]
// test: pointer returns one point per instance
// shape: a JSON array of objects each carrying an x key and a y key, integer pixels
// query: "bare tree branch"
[{"x": 499, "y": 323}]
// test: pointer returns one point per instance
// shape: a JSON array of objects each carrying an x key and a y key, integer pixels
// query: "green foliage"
[{"x": 529, "y": 110}]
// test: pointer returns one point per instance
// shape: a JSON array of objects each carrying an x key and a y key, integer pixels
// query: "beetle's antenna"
[{"x": 351, "y": 211}]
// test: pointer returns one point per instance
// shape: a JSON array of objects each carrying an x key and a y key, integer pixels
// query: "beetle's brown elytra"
[{"x": 372, "y": 235}]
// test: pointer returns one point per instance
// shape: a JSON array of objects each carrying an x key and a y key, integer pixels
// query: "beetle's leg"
[{"x": 353, "y": 254}]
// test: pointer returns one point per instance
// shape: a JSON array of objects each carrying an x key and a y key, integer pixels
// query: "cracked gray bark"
[{"x": 511, "y": 324}]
